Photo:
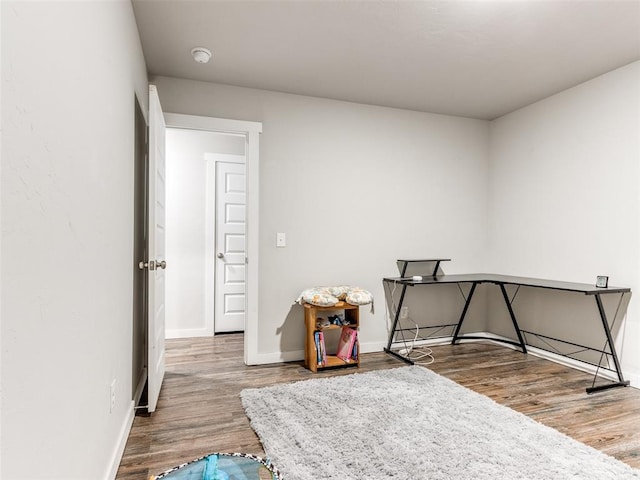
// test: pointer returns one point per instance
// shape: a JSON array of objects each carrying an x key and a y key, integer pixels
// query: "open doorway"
[
  {"x": 206, "y": 225},
  {"x": 230, "y": 142}
]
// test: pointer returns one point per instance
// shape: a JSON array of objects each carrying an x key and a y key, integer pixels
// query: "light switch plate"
[{"x": 281, "y": 240}]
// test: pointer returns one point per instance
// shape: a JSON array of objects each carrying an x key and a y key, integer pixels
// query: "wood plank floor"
[{"x": 199, "y": 409}]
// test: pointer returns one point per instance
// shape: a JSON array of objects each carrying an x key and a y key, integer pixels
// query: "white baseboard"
[
  {"x": 298, "y": 355},
  {"x": 118, "y": 451},
  {"x": 187, "y": 332},
  {"x": 634, "y": 378},
  {"x": 278, "y": 357},
  {"x": 568, "y": 362},
  {"x": 371, "y": 347}
]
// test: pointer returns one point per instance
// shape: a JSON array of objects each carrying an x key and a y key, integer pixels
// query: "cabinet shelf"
[
  {"x": 333, "y": 327},
  {"x": 333, "y": 361},
  {"x": 311, "y": 312}
]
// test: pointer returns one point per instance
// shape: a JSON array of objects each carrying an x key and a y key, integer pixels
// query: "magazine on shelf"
[
  {"x": 321, "y": 353},
  {"x": 323, "y": 349},
  {"x": 346, "y": 343}
]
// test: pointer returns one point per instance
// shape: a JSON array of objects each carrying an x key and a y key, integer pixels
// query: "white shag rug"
[{"x": 410, "y": 423}]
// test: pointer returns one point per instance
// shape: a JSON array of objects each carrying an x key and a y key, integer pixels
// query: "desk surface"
[{"x": 497, "y": 279}]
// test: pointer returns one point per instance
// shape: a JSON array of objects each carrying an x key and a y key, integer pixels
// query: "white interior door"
[
  {"x": 230, "y": 247},
  {"x": 156, "y": 262}
]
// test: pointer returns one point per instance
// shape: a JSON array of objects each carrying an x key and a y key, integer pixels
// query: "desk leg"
[
  {"x": 435, "y": 270},
  {"x": 513, "y": 318},
  {"x": 393, "y": 330},
  {"x": 607, "y": 331},
  {"x": 403, "y": 270},
  {"x": 464, "y": 313}
]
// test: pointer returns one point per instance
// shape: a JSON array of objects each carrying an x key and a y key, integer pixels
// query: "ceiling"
[{"x": 479, "y": 59}]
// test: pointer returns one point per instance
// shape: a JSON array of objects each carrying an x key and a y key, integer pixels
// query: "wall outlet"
[
  {"x": 112, "y": 396},
  {"x": 404, "y": 313}
]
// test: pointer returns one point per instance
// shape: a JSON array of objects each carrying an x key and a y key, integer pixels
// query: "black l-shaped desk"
[{"x": 501, "y": 281}]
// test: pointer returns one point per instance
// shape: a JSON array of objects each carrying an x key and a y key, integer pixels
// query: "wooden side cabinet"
[{"x": 311, "y": 315}]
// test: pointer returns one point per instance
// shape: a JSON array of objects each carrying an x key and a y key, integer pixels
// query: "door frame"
[
  {"x": 251, "y": 131},
  {"x": 211, "y": 226}
]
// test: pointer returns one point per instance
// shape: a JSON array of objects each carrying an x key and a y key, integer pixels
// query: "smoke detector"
[{"x": 201, "y": 54}]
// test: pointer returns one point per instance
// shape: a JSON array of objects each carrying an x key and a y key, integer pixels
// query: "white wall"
[
  {"x": 186, "y": 248},
  {"x": 1, "y": 136},
  {"x": 563, "y": 198},
  {"x": 354, "y": 187},
  {"x": 67, "y": 234}
]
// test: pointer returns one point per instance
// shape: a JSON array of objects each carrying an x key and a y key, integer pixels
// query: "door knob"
[
  {"x": 220, "y": 255},
  {"x": 162, "y": 264}
]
